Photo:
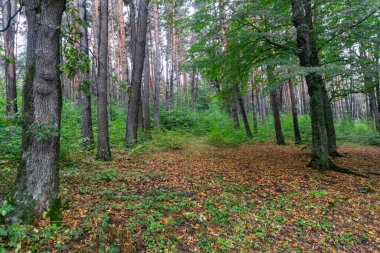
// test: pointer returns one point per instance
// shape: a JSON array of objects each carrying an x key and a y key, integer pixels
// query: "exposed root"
[
  {"x": 316, "y": 164},
  {"x": 335, "y": 154},
  {"x": 336, "y": 168}
]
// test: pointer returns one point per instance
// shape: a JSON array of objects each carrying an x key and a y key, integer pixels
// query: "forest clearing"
[{"x": 189, "y": 126}]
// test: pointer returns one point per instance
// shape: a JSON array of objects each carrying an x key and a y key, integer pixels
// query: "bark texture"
[
  {"x": 308, "y": 56},
  {"x": 293, "y": 101},
  {"x": 36, "y": 186},
  {"x": 104, "y": 152},
  {"x": 10, "y": 64},
  {"x": 254, "y": 107},
  {"x": 146, "y": 104},
  {"x": 157, "y": 67},
  {"x": 137, "y": 70},
  {"x": 84, "y": 79},
  {"x": 243, "y": 114},
  {"x": 275, "y": 109}
]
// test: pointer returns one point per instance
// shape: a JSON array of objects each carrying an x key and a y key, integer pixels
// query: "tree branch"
[{"x": 11, "y": 18}]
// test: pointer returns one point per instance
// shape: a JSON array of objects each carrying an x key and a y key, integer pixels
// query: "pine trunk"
[
  {"x": 293, "y": 101},
  {"x": 104, "y": 152},
  {"x": 146, "y": 104},
  {"x": 275, "y": 109},
  {"x": 137, "y": 71},
  {"x": 10, "y": 64},
  {"x": 243, "y": 114},
  {"x": 85, "y": 84},
  {"x": 157, "y": 67}
]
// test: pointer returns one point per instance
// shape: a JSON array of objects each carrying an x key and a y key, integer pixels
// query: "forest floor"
[{"x": 200, "y": 198}]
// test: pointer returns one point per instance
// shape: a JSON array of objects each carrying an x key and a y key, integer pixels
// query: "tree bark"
[
  {"x": 254, "y": 108},
  {"x": 243, "y": 113},
  {"x": 37, "y": 183},
  {"x": 84, "y": 78},
  {"x": 10, "y": 63},
  {"x": 104, "y": 152},
  {"x": 123, "y": 43},
  {"x": 263, "y": 109},
  {"x": 137, "y": 70},
  {"x": 275, "y": 109},
  {"x": 146, "y": 104},
  {"x": 235, "y": 113},
  {"x": 329, "y": 123},
  {"x": 308, "y": 56},
  {"x": 157, "y": 67},
  {"x": 293, "y": 101}
]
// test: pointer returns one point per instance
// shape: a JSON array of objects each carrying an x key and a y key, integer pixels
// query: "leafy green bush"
[{"x": 178, "y": 118}]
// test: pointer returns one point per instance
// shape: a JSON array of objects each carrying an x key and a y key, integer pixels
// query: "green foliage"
[
  {"x": 319, "y": 193},
  {"x": 76, "y": 57},
  {"x": 183, "y": 118},
  {"x": 44, "y": 131}
]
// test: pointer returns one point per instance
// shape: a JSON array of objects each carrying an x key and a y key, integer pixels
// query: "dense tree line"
[{"x": 260, "y": 57}]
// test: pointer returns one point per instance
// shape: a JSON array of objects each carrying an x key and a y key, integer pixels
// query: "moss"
[
  {"x": 55, "y": 211},
  {"x": 24, "y": 209},
  {"x": 30, "y": 73}
]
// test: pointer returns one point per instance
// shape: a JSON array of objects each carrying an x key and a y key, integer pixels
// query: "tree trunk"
[
  {"x": 243, "y": 113},
  {"x": 95, "y": 35},
  {"x": 104, "y": 152},
  {"x": 293, "y": 101},
  {"x": 235, "y": 114},
  {"x": 123, "y": 43},
  {"x": 275, "y": 109},
  {"x": 85, "y": 84},
  {"x": 146, "y": 104},
  {"x": 305, "y": 108},
  {"x": 329, "y": 123},
  {"x": 193, "y": 90},
  {"x": 370, "y": 90},
  {"x": 254, "y": 108},
  {"x": 37, "y": 182},
  {"x": 137, "y": 70},
  {"x": 157, "y": 67},
  {"x": 263, "y": 108},
  {"x": 10, "y": 63},
  {"x": 308, "y": 56}
]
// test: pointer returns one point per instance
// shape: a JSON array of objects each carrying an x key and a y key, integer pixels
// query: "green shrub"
[{"x": 178, "y": 118}]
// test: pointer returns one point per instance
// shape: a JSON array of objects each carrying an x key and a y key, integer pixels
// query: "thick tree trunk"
[
  {"x": 36, "y": 186},
  {"x": 10, "y": 64},
  {"x": 275, "y": 109},
  {"x": 146, "y": 104},
  {"x": 104, "y": 152},
  {"x": 308, "y": 55},
  {"x": 329, "y": 123},
  {"x": 157, "y": 67},
  {"x": 137, "y": 70},
  {"x": 293, "y": 101},
  {"x": 84, "y": 78}
]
